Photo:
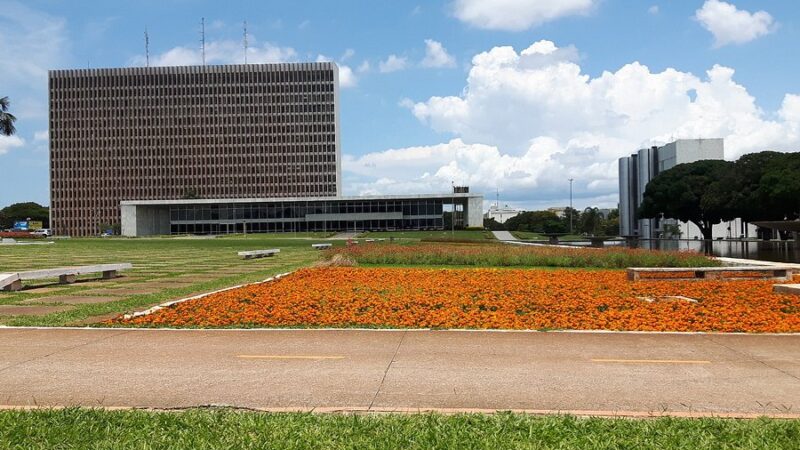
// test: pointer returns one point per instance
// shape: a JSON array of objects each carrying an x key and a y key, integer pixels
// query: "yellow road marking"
[
  {"x": 653, "y": 361},
  {"x": 288, "y": 357}
]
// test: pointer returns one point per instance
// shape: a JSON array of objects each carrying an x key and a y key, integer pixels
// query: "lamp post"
[{"x": 570, "y": 204}]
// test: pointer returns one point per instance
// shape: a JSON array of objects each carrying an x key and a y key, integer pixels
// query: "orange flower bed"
[{"x": 487, "y": 298}]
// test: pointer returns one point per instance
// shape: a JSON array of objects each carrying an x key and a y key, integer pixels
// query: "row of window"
[
  {"x": 301, "y": 226},
  {"x": 81, "y": 79}
]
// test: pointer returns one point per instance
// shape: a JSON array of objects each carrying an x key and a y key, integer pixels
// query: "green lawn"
[
  {"x": 164, "y": 269},
  {"x": 207, "y": 429},
  {"x": 472, "y": 235},
  {"x": 531, "y": 236}
]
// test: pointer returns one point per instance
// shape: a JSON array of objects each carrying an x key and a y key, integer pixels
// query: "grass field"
[
  {"x": 531, "y": 236},
  {"x": 98, "y": 429},
  {"x": 164, "y": 269},
  {"x": 493, "y": 254},
  {"x": 471, "y": 235}
]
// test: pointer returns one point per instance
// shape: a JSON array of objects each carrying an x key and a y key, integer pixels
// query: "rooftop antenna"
[
  {"x": 203, "y": 39},
  {"x": 245, "y": 42},
  {"x": 146, "y": 47},
  {"x": 497, "y": 202}
]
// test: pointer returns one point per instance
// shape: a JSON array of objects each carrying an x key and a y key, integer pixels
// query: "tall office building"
[
  {"x": 166, "y": 133},
  {"x": 637, "y": 170}
]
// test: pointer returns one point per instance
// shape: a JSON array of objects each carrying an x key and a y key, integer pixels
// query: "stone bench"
[
  {"x": 712, "y": 273},
  {"x": 321, "y": 246},
  {"x": 65, "y": 275},
  {"x": 786, "y": 289},
  {"x": 259, "y": 253}
]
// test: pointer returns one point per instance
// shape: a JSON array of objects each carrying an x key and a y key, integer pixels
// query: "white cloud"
[
  {"x": 347, "y": 78},
  {"x": 436, "y": 55},
  {"x": 363, "y": 67},
  {"x": 653, "y": 10},
  {"x": 220, "y": 52},
  {"x": 347, "y": 54},
  {"x": 731, "y": 25},
  {"x": 529, "y": 120},
  {"x": 393, "y": 63},
  {"x": 41, "y": 136},
  {"x": 9, "y": 142},
  {"x": 516, "y": 15}
]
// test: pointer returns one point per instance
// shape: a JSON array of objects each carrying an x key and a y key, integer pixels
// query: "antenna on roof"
[
  {"x": 203, "y": 39},
  {"x": 146, "y": 47},
  {"x": 497, "y": 203},
  {"x": 245, "y": 42}
]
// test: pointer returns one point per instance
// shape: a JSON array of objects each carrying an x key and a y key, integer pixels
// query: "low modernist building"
[
  {"x": 502, "y": 213},
  {"x": 637, "y": 170},
  {"x": 221, "y": 216},
  {"x": 167, "y": 133}
]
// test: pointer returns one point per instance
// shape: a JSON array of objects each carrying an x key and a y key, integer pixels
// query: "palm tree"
[{"x": 6, "y": 118}]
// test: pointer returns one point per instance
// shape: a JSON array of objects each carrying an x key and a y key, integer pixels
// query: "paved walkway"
[
  {"x": 504, "y": 236},
  {"x": 607, "y": 373}
]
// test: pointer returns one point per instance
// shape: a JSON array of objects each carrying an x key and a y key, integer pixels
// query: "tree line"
[
  {"x": 757, "y": 187},
  {"x": 590, "y": 221}
]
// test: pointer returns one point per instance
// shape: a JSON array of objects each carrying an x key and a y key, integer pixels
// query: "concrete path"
[
  {"x": 504, "y": 236},
  {"x": 595, "y": 373}
]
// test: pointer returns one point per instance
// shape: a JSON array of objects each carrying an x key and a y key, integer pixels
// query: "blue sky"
[{"x": 509, "y": 95}]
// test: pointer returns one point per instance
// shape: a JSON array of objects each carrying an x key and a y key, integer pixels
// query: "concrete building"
[
  {"x": 502, "y": 213},
  {"x": 168, "y": 133},
  {"x": 559, "y": 211},
  {"x": 637, "y": 170},
  {"x": 220, "y": 216}
]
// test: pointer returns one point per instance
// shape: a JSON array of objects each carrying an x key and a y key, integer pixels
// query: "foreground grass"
[{"x": 91, "y": 428}]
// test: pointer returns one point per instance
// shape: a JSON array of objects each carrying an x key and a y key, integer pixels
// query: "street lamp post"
[{"x": 570, "y": 204}]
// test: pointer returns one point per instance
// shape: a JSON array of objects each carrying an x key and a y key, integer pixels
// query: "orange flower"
[{"x": 487, "y": 298}]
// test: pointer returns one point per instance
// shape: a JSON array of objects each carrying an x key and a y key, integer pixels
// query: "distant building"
[
  {"x": 501, "y": 214},
  {"x": 560, "y": 211},
  {"x": 637, "y": 170}
]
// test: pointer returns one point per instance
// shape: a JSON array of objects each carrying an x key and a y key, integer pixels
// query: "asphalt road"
[{"x": 593, "y": 373}]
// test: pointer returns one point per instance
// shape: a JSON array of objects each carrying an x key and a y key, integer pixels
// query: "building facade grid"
[{"x": 252, "y": 131}]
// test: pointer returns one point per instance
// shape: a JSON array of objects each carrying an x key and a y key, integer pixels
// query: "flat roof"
[{"x": 206, "y": 201}]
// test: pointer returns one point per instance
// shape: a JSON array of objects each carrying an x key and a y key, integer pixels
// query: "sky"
[{"x": 510, "y": 97}]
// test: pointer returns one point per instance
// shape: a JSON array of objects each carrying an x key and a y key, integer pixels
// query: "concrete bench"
[
  {"x": 259, "y": 253},
  {"x": 712, "y": 273},
  {"x": 65, "y": 275},
  {"x": 786, "y": 289},
  {"x": 321, "y": 246}
]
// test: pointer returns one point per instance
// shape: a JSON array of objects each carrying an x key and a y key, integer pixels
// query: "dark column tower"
[{"x": 162, "y": 133}]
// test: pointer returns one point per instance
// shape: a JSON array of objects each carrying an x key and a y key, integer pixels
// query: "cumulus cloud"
[
  {"x": 653, "y": 10},
  {"x": 528, "y": 120},
  {"x": 730, "y": 25},
  {"x": 9, "y": 142},
  {"x": 436, "y": 55},
  {"x": 393, "y": 63},
  {"x": 347, "y": 78},
  {"x": 220, "y": 52},
  {"x": 516, "y": 15}
]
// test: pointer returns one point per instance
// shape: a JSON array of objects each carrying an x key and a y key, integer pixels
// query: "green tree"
[
  {"x": 693, "y": 192},
  {"x": 535, "y": 221},
  {"x": 590, "y": 221},
  {"x": 610, "y": 225},
  {"x": 22, "y": 211},
  {"x": 492, "y": 224},
  {"x": 6, "y": 118}
]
